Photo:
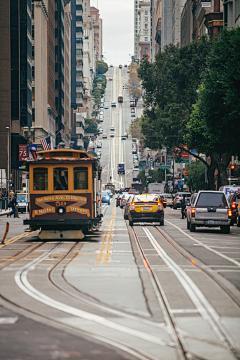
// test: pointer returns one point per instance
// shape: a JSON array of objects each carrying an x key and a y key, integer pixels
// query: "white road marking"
[
  {"x": 206, "y": 246},
  {"x": 199, "y": 300},
  {"x": 22, "y": 282},
  {"x": 8, "y": 320}
]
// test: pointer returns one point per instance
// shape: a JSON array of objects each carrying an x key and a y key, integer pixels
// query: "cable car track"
[{"x": 207, "y": 311}]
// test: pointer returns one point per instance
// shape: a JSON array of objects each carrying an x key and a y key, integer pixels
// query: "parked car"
[
  {"x": 105, "y": 197},
  {"x": 113, "y": 104},
  {"x": 99, "y": 144},
  {"x": 177, "y": 201},
  {"x": 112, "y": 128},
  {"x": 104, "y": 136},
  {"x": 127, "y": 205},
  {"x": 110, "y": 78},
  {"x": 106, "y": 107},
  {"x": 234, "y": 202},
  {"x": 146, "y": 208},
  {"x": 124, "y": 137},
  {"x": 209, "y": 208},
  {"x": 112, "y": 134}
]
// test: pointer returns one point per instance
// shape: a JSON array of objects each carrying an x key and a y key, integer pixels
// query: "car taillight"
[
  {"x": 233, "y": 205},
  {"x": 159, "y": 206},
  {"x": 193, "y": 212},
  {"x": 123, "y": 200},
  {"x": 229, "y": 213},
  {"x": 132, "y": 206},
  {"x": 164, "y": 200},
  {"x": 172, "y": 200}
]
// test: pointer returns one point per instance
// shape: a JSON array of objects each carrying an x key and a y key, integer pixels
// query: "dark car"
[
  {"x": 234, "y": 201},
  {"x": 118, "y": 199},
  {"x": 127, "y": 205},
  {"x": 105, "y": 197}
]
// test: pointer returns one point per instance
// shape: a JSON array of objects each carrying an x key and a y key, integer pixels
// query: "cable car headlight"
[{"x": 61, "y": 210}]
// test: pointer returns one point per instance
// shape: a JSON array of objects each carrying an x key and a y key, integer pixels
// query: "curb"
[{"x": 5, "y": 213}]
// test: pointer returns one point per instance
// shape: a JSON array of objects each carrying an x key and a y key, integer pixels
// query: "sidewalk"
[{"x": 4, "y": 212}]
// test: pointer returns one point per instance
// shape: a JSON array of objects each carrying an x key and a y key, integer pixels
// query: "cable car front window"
[
  {"x": 40, "y": 179},
  {"x": 80, "y": 178},
  {"x": 60, "y": 180}
]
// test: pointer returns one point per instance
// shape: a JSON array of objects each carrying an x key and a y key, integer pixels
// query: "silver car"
[
  {"x": 210, "y": 209},
  {"x": 124, "y": 199}
]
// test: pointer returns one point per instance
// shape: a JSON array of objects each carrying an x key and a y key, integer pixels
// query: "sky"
[{"x": 118, "y": 27}]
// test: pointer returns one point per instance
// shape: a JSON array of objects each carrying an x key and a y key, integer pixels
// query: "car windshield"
[
  {"x": 207, "y": 199},
  {"x": 21, "y": 198},
  {"x": 105, "y": 193},
  {"x": 146, "y": 198}
]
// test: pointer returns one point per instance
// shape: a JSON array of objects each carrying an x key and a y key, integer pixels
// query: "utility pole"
[{"x": 8, "y": 161}]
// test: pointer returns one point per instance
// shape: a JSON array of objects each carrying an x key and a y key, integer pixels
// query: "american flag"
[
  {"x": 46, "y": 143},
  {"x": 62, "y": 133}
]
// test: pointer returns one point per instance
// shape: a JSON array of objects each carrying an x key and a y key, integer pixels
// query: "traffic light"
[
  {"x": 183, "y": 178},
  {"x": 233, "y": 170},
  {"x": 123, "y": 87}
]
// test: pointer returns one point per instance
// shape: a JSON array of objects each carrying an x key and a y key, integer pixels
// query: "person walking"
[
  {"x": 183, "y": 206},
  {"x": 14, "y": 207},
  {"x": 11, "y": 195}
]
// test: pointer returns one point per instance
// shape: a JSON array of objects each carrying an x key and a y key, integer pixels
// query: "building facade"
[
  {"x": 97, "y": 27},
  {"x": 177, "y": 8},
  {"x": 166, "y": 23},
  {"x": 136, "y": 28},
  {"x": 67, "y": 72},
  {"x": 156, "y": 17},
  {"x": 40, "y": 72},
  {"x": 76, "y": 54},
  {"x": 144, "y": 34},
  {"x": 231, "y": 14}
]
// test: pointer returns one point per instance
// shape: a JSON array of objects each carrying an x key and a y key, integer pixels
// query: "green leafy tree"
[
  {"x": 102, "y": 67},
  {"x": 196, "y": 176},
  {"x": 91, "y": 127},
  {"x": 157, "y": 176},
  {"x": 214, "y": 124}
]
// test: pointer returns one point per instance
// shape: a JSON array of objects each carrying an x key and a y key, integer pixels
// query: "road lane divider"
[
  {"x": 206, "y": 246},
  {"x": 16, "y": 238}
]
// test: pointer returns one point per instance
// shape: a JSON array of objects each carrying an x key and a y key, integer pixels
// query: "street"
[{"x": 146, "y": 292}]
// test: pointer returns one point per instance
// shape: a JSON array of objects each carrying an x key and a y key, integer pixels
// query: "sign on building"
[{"x": 22, "y": 152}]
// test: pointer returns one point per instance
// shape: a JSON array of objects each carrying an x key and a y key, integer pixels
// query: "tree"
[
  {"x": 91, "y": 127},
  {"x": 135, "y": 130},
  {"x": 171, "y": 85},
  {"x": 102, "y": 67},
  {"x": 196, "y": 176},
  {"x": 156, "y": 176},
  {"x": 213, "y": 127}
]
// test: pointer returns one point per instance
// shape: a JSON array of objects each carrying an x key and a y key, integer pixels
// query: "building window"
[
  {"x": 78, "y": 18},
  {"x": 146, "y": 18},
  {"x": 94, "y": 17},
  {"x": 78, "y": 84},
  {"x": 79, "y": 29},
  {"x": 40, "y": 179},
  {"x": 146, "y": 26},
  {"x": 78, "y": 62},
  {"x": 80, "y": 178},
  {"x": 60, "y": 178},
  {"x": 146, "y": 32},
  {"x": 79, "y": 73},
  {"x": 78, "y": 95},
  {"x": 79, "y": 40},
  {"x": 78, "y": 7},
  {"x": 146, "y": 39},
  {"x": 146, "y": 12}
]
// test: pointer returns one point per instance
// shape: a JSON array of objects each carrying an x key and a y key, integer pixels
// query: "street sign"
[
  {"x": 146, "y": 172},
  {"x": 165, "y": 167},
  {"x": 22, "y": 152},
  {"x": 149, "y": 177}
]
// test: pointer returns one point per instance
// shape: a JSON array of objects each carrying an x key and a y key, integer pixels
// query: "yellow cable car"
[{"x": 64, "y": 187}]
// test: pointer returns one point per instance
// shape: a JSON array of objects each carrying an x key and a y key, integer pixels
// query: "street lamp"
[{"x": 8, "y": 161}]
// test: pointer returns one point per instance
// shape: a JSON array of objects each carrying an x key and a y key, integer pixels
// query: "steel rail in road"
[
  {"x": 199, "y": 300},
  {"x": 21, "y": 280}
]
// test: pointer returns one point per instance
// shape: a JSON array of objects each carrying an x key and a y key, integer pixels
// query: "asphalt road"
[{"x": 146, "y": 292}]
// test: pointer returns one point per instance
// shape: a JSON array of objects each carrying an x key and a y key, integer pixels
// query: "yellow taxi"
[
  {"x": 104, "y": 136},
  {"x": 146, "y": 208}
]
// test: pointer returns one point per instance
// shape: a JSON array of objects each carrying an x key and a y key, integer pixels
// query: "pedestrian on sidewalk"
[
  {"x": 11, "y": 195},
  {"x": 14, "y": 207}
]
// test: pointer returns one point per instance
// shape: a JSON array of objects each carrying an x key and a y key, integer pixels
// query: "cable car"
[{"x": 64, "y": 188}]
